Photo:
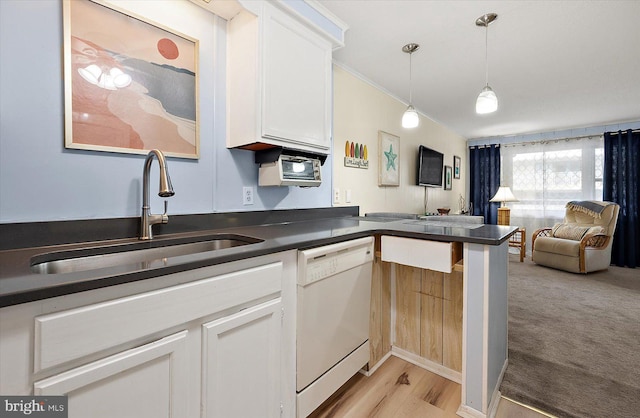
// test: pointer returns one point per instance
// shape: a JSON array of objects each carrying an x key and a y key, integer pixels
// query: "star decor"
[
  {"x": 391, "y": 158},
  {"x": 388, "y": 159}
]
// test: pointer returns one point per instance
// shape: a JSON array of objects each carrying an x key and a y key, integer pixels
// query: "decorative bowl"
[{"x": 443, "y": 211}]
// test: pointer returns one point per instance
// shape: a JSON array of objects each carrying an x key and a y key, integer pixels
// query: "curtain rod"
[
  {"x": 540, "y": 141},
  {"x": 544, "y": 141},
  {"x": 635, "y": 131},
  {"x": 547, "y": 141}
]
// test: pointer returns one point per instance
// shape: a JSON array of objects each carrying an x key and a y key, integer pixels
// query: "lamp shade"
[
  {"x": 487, "y": 101},
  {"x": 503, "y": 195},
  {"x": 410, "y": 118}
]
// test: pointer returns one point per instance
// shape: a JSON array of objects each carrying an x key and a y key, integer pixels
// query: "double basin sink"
[{"x": 134, "y": 256}]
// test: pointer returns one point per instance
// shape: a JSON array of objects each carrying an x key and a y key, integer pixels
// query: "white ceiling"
[{"x": 554, "y": 65}]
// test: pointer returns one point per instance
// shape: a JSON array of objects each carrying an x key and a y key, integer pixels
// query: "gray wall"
[{"x": 40, "y": 180}]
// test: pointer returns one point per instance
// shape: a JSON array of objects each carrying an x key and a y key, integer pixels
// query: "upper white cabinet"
[{"x": 278, "y": 81}]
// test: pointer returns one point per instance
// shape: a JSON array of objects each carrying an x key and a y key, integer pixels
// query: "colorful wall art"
[
  {"x": 356, "y": 155},
  {"x": 130, "y": 85}
]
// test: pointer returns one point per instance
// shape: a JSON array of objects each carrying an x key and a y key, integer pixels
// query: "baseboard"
[
  {"x": 376, "y": 366},
  {"x": 493, "y": 405},
  {"x": 433, "y": 367},
  {"x": 467, "y": 412},
  {"x": 495, "y": 397}
]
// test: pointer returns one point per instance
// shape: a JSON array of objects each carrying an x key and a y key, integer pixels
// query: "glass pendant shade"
[
  {"x": 487, "y": 101},
  {"x": 410, "y": 118}
]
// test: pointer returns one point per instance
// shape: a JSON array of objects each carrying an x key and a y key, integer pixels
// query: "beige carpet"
[{"x": 574, "y": 341}]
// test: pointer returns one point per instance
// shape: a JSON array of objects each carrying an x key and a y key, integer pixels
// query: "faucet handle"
[{"x": 165, "y": 217}]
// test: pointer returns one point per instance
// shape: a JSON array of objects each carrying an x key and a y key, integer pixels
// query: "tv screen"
[{"x": 430, "y": 166}]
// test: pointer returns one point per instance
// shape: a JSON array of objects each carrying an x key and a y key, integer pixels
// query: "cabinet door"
[
  {"x": 149, "y": 381},
  {"x": 241, "y": 363},
  {"x": 297, "y": 82}
]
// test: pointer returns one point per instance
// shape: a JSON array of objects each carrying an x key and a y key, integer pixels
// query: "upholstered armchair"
[{"x": 580, "y": 244}]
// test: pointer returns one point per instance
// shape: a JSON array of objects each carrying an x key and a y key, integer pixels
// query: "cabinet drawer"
[
  {"x": 432, "y": 255},
  {"x": 72, "y": 334}
]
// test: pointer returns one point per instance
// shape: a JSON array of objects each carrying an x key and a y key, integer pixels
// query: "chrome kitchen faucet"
[{"x": 166, "y": 190}]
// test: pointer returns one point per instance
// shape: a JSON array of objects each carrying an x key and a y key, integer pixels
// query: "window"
[{"x": 544, "y": 176}]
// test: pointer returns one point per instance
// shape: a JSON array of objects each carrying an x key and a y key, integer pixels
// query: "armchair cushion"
[
  {"x": 553, "y": 245},
  {"x": 574, "y": 231}
]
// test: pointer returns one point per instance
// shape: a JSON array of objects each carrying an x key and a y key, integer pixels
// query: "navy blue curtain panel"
[
  {"x": 620, "y": 182},
  {"x": 484, "y": 167}
]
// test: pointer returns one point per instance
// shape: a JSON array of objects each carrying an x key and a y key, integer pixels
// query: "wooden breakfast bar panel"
[{"x": 453, "y": 318}]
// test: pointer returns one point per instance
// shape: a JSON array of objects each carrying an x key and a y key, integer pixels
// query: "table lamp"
[{"x": 504, "y": 195}]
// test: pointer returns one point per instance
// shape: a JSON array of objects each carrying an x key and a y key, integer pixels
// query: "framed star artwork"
[{"x": 388, "y": 159}]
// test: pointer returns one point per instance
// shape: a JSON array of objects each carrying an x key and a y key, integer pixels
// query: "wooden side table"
[{"x": 519, "y": 240}]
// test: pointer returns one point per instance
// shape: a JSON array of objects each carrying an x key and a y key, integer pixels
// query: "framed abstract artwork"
[
  {"x": 130, "y": 84},
  {"x": 388, "y": 159},
  {"x": 456, "y": 167},
  {"x": 447, "y": 177}
]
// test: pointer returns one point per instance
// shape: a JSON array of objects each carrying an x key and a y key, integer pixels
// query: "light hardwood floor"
[{"x": 399, "y": 389}]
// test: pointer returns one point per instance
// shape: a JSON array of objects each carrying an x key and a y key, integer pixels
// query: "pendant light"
[
  {"x": 487, "y": 101},
  {"x": 410, "y": 117}
]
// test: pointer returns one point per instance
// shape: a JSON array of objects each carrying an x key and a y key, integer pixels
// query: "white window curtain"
[{"x": 544, "y": 176}]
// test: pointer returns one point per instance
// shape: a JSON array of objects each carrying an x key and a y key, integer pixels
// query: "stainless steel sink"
[{"x": 134, "y": 256}]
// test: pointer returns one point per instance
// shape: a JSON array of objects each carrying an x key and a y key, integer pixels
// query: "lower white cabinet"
[
  {"x": 212, "y": 342},
  {"x": 241, "y": 363},
  {"x": 146, "y": 381}
]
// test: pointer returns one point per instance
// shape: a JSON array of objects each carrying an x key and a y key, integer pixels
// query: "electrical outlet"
[
  {"x": 247, "y": 195},
  {"x": 336, "y": 195}
]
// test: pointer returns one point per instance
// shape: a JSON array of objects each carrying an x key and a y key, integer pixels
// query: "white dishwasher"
[{"x": 333, "y": 298}]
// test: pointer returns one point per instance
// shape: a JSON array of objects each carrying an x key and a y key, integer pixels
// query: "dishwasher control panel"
[{"x": 322, "y": 262}]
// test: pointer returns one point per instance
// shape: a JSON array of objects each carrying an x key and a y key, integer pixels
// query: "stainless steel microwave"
[{"x": 290, "y": 170}]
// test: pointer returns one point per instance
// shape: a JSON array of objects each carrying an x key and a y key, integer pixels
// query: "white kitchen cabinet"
[
  {"x": 241, "y": 355},
  {"x": 278, "y": 82},
  {"x": 203, "y": 343},
  {"x": 147, "y": 381}
]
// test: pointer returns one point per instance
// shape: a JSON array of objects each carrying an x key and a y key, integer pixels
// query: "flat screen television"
[{"x": 430, "y": 167}]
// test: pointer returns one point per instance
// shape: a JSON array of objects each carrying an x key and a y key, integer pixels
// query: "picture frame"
[
  {"x": 388, "y": 159},
  {"x": 447, "y": 177},
  {"x": 456, "y": 167},
  {"x": 131, "y": 85}
]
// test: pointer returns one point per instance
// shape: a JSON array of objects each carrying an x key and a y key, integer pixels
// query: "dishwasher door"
[{"x": 334, "y": 293}]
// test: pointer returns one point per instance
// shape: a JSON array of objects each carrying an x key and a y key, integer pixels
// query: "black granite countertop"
[{"x": 19, "y": 284}]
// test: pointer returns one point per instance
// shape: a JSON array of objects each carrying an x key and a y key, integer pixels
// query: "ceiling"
[{"x": 554, "y": 65}]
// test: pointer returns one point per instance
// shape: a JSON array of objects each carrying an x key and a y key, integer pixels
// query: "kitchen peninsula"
[{"x": 36, "y": 307}]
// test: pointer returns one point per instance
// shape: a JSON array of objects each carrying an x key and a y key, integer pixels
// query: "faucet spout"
[{"x": 148, "y": 219}]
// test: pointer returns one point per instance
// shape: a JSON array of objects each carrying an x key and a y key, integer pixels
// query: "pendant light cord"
[
  {"x": 486, "y": 53},
  {"x": 410, "y": 82}
]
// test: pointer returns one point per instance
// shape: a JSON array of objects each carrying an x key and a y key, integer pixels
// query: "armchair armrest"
[
  {"x": 543, "y": 232},
  {"x": 596, "y": 241}
]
